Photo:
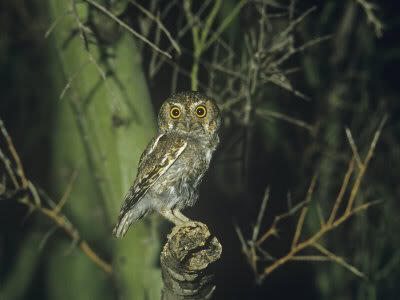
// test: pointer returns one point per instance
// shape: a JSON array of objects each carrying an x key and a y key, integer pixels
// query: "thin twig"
[
  {"x": 304, "y": 211},
  {"x": 273, "y": 229},
  {"x": 47, "y": 236},
  {"x": 14, "y": 154},
  {"x": 303, "y": 47},
  {"x": 227, "y": 20},
  {"x": 371, "y": 17},
  {"x": 36, "y": 205},
  {"x": 365, "y": 164},
  {"x": 310, "y": 258},
  {"x": 338, "y": 260},
  {"x": 72, "y": 78},
  {"x": 354, "y": 148},
  {"x": 320, "y": 215},
  {"x": 127, "y": 27},
  {"x": 10, "y": 172},
  {"x": 356, "y": 210},
  {"x": 159, "y": 23},
  {"x": 181, "y": 30},
  {"x": 297, "y": 21},
  {"x": 63, "y": 223},
  {"x": 343, "y": 189},
  {"x": 297, "y": 245},
  {"x": 260, "y": 214},
  {"x": 55, "y": 23},
  {"x": 114, "y": 97},
  {"x": 274, "y": 114},
  {"x": 241, "y": 238},
  {"x": 67, "y": 192}
]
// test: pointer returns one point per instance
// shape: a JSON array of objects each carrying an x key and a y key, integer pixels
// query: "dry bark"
[{"x": 185, "y": 262}]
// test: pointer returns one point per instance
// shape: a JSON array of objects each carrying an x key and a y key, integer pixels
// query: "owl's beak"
[{"x": 187, "y": 125}]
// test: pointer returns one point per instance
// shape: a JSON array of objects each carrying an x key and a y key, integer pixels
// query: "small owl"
[{"x": 175, "y": 161}]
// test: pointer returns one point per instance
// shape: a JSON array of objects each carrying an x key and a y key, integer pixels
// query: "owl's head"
[{"x": 189, "y": 113}]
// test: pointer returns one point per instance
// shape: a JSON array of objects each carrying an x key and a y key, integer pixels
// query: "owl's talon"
[
  {"x": 168, "y": 214},
  {"x": 181, "y": 216}
]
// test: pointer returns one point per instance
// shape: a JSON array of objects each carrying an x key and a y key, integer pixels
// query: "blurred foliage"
[{"x": 289, "y": 79}]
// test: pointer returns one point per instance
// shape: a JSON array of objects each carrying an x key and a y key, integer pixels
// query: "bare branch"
[
  {"x": 338, "y": 260},
  {"x": 274, "y": 114},
  {"x": 354, "y": 148},
  {"x": 260, "y": 214},
  {"x": 343, "y": 188},
  {"x": 159, "y": 24},
  {"x": 303, "y": 213},
  {"x": 55, "y": 23},
  {"x": 365, "y": 165},
  {"x": 251, "y": 249},
  {"x": 67, "y": 192},
  {"x": 20, "y": 171},
  {"x": 369, "y": 9},
  {"x": 53, "y": 214}
]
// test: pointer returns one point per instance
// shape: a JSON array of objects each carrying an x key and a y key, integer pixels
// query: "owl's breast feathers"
[{"x": 171, "y": 168}]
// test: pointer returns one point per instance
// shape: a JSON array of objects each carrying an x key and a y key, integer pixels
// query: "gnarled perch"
[{"x": 185, "y": 260}]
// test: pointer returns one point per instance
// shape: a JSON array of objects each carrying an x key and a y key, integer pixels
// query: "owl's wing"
[{"x": 156, "y": 160}]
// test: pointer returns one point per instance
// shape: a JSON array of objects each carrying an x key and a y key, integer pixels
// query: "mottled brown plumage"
[{"x": 175, "y": 161}]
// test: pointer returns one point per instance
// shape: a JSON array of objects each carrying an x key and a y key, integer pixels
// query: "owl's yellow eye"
[
  {"x": 201, "y": 111},
  {"x": 175, "y": 112}
]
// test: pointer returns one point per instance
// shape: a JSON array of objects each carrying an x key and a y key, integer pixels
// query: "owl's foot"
[
  {"x": 168, "y": 214},
  {"x": 175, "y": 216},
  {"x": 181, "y": 216}
]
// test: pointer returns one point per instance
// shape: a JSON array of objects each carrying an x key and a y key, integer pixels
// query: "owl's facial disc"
[{"x": 190, "y": 113}]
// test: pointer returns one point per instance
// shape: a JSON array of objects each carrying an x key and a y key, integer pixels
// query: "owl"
[{"x": 173, "y": 165}]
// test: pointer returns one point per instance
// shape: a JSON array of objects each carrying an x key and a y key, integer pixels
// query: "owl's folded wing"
[{"x": 157, "y": 161}]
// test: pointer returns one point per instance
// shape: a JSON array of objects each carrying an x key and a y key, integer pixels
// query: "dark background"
[{"x": 360, "y": 69}]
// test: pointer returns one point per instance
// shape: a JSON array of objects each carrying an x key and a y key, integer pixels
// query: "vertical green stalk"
[
  {"x": 102, "y": 125},
  {"x": 200, "y": 32}
]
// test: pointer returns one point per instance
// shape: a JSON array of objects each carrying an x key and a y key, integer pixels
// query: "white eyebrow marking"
[
  {"x": 195, "y": 104},
  {"x": 176, "y": 104}
]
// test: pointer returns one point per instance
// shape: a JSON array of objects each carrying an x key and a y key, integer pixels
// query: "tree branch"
[
  {"x": 185, "y": 262},
  {"x": 30, "y": 197}
]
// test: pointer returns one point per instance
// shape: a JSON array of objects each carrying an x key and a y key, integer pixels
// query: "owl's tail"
[{"x": 125, "y": 220}]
